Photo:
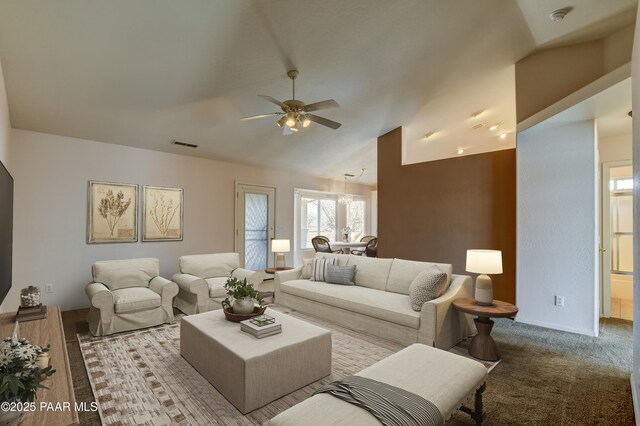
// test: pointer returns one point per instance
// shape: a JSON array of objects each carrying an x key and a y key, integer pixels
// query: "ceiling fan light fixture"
[
  {"x": 306, "y": 121},
  {"x": 291, "y": 119}
]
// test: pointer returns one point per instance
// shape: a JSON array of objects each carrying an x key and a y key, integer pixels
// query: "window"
[
  {"x": 319, "y": 213},
  {"x": 317, "y": 217},
  {"x": 356, "y": 218}
]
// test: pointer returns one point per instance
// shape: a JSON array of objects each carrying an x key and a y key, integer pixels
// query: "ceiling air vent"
[
  {"x": 477, "y": 126},
  {"x": 188, "y": 145}
]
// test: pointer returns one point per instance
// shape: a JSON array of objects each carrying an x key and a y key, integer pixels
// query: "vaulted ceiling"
[{"x": 145, "y": 72}]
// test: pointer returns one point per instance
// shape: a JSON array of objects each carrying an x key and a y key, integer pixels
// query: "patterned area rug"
[{"x": 139, "y": 378}]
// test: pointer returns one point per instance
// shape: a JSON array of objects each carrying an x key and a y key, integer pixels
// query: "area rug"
[{"x": 139, "y": 378}]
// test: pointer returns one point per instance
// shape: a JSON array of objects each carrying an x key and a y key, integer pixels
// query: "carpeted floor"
[{"x": 546, "y": 377}]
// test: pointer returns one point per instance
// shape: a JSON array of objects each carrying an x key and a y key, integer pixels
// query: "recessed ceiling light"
[
  {"x": 558, "y": 15},
  {"x": 503, "y": 136},
  {"x": 495, "y": 126},
  {"x": 477, "y": 113},
  {"x": 428, "y": 135},
  {"x": 460, "y": 151}
]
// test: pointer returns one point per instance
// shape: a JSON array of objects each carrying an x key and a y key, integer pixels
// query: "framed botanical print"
[
  {"x": 113, "y": 213},
  {"x": 162, "y": 213}
]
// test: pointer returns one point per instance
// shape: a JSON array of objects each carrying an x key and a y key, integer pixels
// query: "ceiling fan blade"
[
  {"x": 324, "y": 121},
  {"x": 254, "y": 117},
  {"x": 272, "y": 100},
  {"x": 317, "y": 106}
]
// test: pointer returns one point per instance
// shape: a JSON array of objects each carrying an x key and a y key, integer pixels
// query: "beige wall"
[
  {"x": 5, "y": 125},
  {"x": 547, "y": 76},
  {"x": 51, "y": 174},
  {"x": 617, "y": 148}
]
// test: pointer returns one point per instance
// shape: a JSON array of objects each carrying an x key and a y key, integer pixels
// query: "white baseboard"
[
  {"x": 635, "y": 396},
  {"x": 553, "y": 326}
]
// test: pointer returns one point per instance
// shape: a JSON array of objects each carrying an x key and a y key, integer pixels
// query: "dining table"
[{"x": 347, "y": 246}]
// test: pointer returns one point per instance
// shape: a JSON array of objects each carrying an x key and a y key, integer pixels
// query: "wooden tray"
[{"x": 241, "y": 317}]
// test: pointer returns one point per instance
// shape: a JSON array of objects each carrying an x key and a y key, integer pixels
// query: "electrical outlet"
[
  {"x": 48, "y": 288},
  {"x": 559, "y": 300}
]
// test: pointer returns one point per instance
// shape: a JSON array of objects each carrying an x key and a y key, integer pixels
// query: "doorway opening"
[{"x": 617, "y": 238}]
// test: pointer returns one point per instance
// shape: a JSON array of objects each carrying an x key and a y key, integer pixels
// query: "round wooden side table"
[
  {"x": 274, "y": 270},
  {"x": 482, "y": 345}
]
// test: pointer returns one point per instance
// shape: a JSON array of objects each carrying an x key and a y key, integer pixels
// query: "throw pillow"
[
  {"x": 319, "y": 268},
  {"x": 341, "y": 274},
  {"x": 427, "y": 285},
  {"x": 306, "y": 268}
]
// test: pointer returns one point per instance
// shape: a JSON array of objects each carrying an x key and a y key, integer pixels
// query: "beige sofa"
[
  {"x": 128, "y": 295},
  {"x": 379, "y": 303},
  {"x": 202, "y": 278}
]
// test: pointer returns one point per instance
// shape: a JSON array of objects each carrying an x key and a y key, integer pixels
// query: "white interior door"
[{"x": 255, "y": 224}]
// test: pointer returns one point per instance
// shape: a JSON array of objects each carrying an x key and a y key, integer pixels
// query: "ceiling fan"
[{"x": 295, "y": 112}]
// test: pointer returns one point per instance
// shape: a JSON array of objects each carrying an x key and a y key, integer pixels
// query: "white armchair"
[
  {"x": 128, "y": 295},
  {"x": 202, "y": 278}
]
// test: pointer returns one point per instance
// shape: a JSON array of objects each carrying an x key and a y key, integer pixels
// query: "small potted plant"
[
  {"x": 243, "y": 296},
  {"x": 23, "y": 368}
]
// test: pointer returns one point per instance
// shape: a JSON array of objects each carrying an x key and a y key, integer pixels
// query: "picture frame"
[
  {"x": 162, "y": 214},
  {"x": 112, "y": 210}
]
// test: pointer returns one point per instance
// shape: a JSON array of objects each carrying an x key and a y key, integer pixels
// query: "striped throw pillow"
[
  {"x": 319, "y": 268},
  {"x": 341, "y": 274}
]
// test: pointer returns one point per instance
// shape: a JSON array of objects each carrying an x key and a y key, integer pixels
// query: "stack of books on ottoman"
[{"x": 261, "y": 326}]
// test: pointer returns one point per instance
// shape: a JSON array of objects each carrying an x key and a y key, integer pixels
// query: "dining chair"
[
  {"x": 371, "y": 250},
  {"x": 360, "y": 251},
  {"x": 321, "y": 245}
]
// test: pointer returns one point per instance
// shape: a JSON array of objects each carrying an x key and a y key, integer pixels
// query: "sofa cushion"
[
  {"x": 392, "y": 307},
  {"x": 117, "y": 274},
  {"x": 319, "y": 268},
  {"x": 343, "y": 275},
  {"x": 427, "y": 285},
  {"x": 210, "y": 265},
  {"x": 341, "y": 259},
  {"x": 135, "y": 299},
  {"x": 403, "y": 272},
  {"x": 306, "y": 268},
  {"x": 371, "y": 272},
  {"x": 216, "y": 286}
]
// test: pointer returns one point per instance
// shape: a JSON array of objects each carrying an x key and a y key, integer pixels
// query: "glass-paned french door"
[{"x": 255, "y": 223}]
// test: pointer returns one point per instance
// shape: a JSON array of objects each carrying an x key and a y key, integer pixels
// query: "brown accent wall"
[{"x": 437, "y": 210}]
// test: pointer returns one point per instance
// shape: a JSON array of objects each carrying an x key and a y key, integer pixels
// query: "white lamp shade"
[
  {"x": 484, "y": 261},
  {"x": 280, "y": 246}
]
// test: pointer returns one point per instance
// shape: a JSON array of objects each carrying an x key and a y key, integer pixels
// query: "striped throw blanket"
[{"x": 392, "y": 406}]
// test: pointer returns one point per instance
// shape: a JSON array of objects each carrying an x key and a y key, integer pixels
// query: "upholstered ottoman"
[
  {"x": 252, "y": 372},
  {"x": 441, "y": 377}
]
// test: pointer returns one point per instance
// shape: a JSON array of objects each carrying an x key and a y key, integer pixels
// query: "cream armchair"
[
  {"x": 202, "y": 278},
  {"x": 128, "y": 295}
]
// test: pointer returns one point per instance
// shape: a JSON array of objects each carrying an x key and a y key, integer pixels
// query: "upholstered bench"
[
  {"x": 445, "y": 379},
  {"x": 252, "y": 372}
]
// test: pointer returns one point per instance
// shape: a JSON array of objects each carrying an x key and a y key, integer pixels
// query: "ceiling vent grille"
[
  {"x": 477, "y": 126},
  {"x": 188, "y": 145}
]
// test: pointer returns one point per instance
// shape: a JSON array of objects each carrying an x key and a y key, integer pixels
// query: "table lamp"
[
  {"x": 280, "y": 247},
  {"x": 484, "y": 262}
]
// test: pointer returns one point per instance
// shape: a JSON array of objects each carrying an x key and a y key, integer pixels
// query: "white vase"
[
  {"x": 243, "y": 306},
  {"x": 11, "y": 418}
]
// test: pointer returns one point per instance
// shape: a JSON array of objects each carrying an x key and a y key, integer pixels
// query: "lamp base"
[
  {"x": 484, "y": 290},
  {"x": 279, "y": 260}
]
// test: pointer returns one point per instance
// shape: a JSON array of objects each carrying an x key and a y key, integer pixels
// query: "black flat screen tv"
[{"x": 6, "y": 231}]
